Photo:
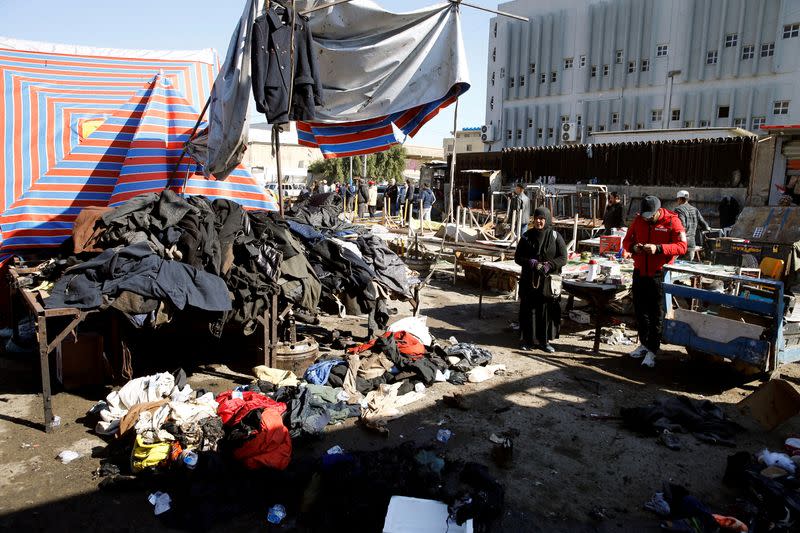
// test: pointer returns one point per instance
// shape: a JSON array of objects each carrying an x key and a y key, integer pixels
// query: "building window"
[
  {"x": 731, "y": 40},
  {"x": 511, "y": 82},
  {"x": 662, "y": 50},
  {"x": 723, "y": 111},
  {"x": 579, "y": 120},
  {"x": 583, "y": 61},
  {"x": 491, "y": 103},
  {"x": 519, "y": 134},
  {"x": 502, "y": 73},
  {"x": 492, "y": 79},
  {"x": 605, "y": 70},
  {"x": 656, "y": 115},
  {"x": 495, "y": 29},
  {"x": 631, "y": 67},
  {"x": 539, "y": 133},
  {"x": 522, "y": 81},
  {"x": 615, "y": 118},
  {"x": 567, "y": 63},
  {"x": 645, "y": 65},
  {"x": 758, "y": 122},
  {"x": 530, "y": 122},
  {"x": 618, "y": 57},
  {"x": 639, "y": 126},
  {"x": 554, "y": 77},
  {"x": 589, "y": 130},
  {"x": 594, "y": 71},
  {"x": 791, "y": 30},
  {"x": 564, "y": 119},
  {"x": 469, "y": 148},
  {"x": 688, "y": 123},
  {"x": 549, "y": 133},
  {"x": 533, "y": 68},
  {"x": 626, "y": 127},
  {"x": 739, "y": 123},
  {"x": 748, "y": 51},
  {"x": 711, "y": 57},
  {"x": 494, "y": 54},
  {"x": 543, "y": 78},
  {"x": 601, "y": 127},
  {"x": 780, "y": 107},
  {"x": 767, "y": 49},
  {"x": 508, "y": 134},
  {"x": 676, "y": 114},
  {"x": 703, "y": 123}
]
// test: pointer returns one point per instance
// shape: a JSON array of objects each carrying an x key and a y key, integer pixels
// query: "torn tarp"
[{"x": 382, "y": 71}]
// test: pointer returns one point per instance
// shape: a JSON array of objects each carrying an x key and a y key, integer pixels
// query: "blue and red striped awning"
[
  {"x": 95, "y": 129},
  {"x": 344, "y": 139}
]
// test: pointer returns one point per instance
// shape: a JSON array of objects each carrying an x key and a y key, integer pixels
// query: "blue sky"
[{"x": 183, "y": 24}]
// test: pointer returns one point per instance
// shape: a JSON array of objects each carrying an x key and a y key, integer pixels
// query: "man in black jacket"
[
  {"x": 362, "y": 195},
  {"x": 614, "y": 216}
]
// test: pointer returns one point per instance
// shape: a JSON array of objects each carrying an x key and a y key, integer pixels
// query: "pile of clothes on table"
[{"x": 160, "y": 253}]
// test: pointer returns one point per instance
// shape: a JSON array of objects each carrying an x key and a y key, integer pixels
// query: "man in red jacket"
[{"x": 656, "y": 237}]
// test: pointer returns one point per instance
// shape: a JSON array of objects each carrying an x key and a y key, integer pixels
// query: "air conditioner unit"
[
  {"x": 569, "y": 132},
  {"x": 487, "y": 133}
]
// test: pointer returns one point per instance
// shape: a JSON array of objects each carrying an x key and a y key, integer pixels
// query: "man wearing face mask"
[{"x": 655, "y": 238}]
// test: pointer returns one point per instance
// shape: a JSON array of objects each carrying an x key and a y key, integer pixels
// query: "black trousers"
[
  {"x": 648, "y": 301},
  {"x": 539, "y": 317},
  {"x": 371, "y": 209}
]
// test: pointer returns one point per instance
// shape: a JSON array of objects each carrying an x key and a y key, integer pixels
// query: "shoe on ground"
[
  {"x": 639, "y": 352},
  {"x": 525, "y": 347},
  {"x": 649, "y": 359},
  {"x": 548, "y": 348}
]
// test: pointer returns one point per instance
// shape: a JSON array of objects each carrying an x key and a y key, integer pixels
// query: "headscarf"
[{"x": 539, "y": 237}]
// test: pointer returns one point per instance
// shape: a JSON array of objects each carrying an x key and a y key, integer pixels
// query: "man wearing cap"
[
  {"x": 692, "y": 220},
  {"x": 656, "y": 236},
  {"x": 522, "y": 205}
]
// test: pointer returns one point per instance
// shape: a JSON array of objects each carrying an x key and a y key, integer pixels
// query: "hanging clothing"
[
  {"x": 272, "y": 67},
  {"x": 539, "y": 253},
  {"x": 381, "y": 71}
]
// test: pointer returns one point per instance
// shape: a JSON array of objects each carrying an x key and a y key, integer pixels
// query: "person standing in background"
[
  {"x": 693, "y": 222},
  {"x": 614, "y": 217},
  {"x": 522, "y": 205},
  {"x": 372, "y": 198}
]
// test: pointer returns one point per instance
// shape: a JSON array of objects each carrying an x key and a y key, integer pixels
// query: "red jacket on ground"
[{"x": 667, "y": 231}]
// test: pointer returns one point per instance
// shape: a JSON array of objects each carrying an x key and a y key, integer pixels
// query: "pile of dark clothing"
[
  {"x": 357, "y": 270},
  {"x": 701, "y": 418},
  {"x": 160, "y": 252},
  {"x": 770, "y": 489}
]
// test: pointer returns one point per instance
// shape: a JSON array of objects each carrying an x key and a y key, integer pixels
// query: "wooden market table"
[
  {"x": 45, "y": 346},
  {"x": 598, "y": 296}
]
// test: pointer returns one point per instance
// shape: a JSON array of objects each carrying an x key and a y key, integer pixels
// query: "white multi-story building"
[{"x": 614, "y": 65}]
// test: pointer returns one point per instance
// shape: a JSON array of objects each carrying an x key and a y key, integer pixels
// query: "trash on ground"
[{"x": 67, "y": 456}]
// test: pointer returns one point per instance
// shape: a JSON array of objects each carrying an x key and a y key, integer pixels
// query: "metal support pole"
[
  {"x": 276, "y": 139},
  {"x": 453, "y": 164}
]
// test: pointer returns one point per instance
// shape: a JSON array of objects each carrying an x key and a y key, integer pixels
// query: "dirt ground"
[{"x": 569, "y": 473}]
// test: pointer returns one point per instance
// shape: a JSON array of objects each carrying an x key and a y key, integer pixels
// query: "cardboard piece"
[
  {"x": 610, "y": 243},
  {"x": 772, "y": 404},
  {"x": 416, "y": 515}
]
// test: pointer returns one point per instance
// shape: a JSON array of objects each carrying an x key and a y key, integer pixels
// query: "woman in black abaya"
[{"x": 540, "y": 252}]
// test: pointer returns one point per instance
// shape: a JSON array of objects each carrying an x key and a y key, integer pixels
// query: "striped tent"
[
  {"x": 345, "y": 139},
  {"x": 93, "y": 127}
]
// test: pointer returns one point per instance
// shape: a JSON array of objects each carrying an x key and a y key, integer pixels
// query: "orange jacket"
[{"x": 668, "y": 232}]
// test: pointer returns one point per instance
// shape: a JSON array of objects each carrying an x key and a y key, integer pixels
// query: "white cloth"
[
  {"x": 416, "y": 325},
  {"x": 373, "y": 62}
]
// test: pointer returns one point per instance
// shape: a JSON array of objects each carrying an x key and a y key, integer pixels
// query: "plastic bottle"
[
  {"x": 276, "y": 514},
  {"x": 443, "y": 435},
  {"x": 594, "y": 268},
  {"x": 189, "y": 459}
]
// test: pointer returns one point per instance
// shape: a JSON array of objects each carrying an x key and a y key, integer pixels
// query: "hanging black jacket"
[{"x": 271, "y": 67}]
